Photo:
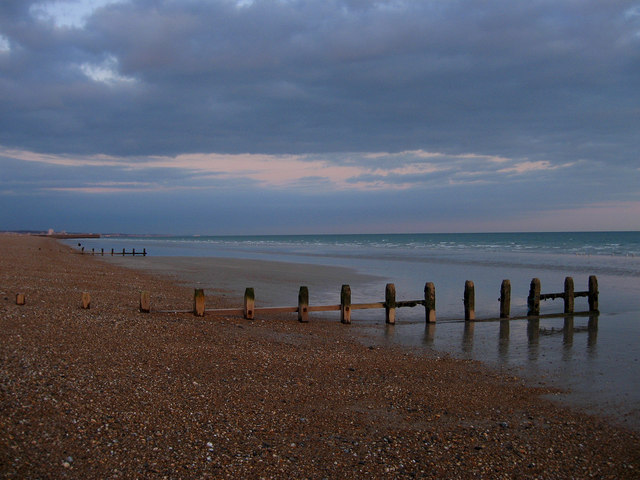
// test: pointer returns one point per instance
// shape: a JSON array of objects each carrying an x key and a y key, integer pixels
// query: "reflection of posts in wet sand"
[
  {"x": 533, "y": 337},
  {"x": 592, "y": 332},
  {"x": 429, "y": 333},
  {"x": 389, "y": 330},
  {"x": 567, "y": 330},
  {"x": 567, "y": 338},
  {"x": 467, "y": 337},
  {"x": 503, "y": 341}
]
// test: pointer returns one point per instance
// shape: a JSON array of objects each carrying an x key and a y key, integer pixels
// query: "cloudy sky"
[{"x": 319, "y": 116}]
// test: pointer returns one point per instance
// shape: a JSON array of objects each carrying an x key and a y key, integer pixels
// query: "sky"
[{"x": 319, "y": 116}]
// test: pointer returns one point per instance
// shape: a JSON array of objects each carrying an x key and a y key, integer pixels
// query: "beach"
[{"x": 109, "y": 392}]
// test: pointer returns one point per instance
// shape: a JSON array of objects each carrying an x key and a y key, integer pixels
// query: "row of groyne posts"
[
  {"x": 390, "y": 303},
  {"x": 114, "y": 252}
]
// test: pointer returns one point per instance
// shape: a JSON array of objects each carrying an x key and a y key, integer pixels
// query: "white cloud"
[
  {"x": 362, "y": 171},
  {"x": 69, "y": 13},
  {"x": 526, "y": 167},
  {"x": 109, "y": 187},
  {"x": 106, "y": 72},
  {"x": 4, "y": 44}
]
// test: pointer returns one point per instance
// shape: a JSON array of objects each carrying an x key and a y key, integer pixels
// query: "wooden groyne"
[
  {"x": 568, "y": 295},
  {"x": 114, "y": 252},
  {"x": 390, "y": 303}
]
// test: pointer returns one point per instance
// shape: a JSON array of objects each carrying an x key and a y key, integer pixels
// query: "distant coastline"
[{"x": 60, "y": 235}]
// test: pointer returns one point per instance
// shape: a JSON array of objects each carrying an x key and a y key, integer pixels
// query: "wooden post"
[
  {"x": 86, "y": 300},
  {"x": 568, "y": 295},
  {"x": 390, "y": 303},
  {"x": 505, "y": 299},
  {"x": 345, "y": 304},
  {"x": 249, "y": 303},
  {"x": 430, "y": 302},
  {"x": 144, "y": 252},
  {"x": 133, "y": 252},
  {"x": 593, "y": 293},
  {"x": 123, "y": 252},
  {"x": 20, "y": 299},
  {"x": 112, "y": 252},
  {"x": 469, "y": 301},
  {"x": 198, "y": 302},
  {"x": 533, "y": 301},
  {"x": 102, "y": 252},
  {"x": 82, "y": 250},
  {"x": 145, "y": 302},
  {"x": 93, "y": 251},
  {"x": 303, "y": 304}
]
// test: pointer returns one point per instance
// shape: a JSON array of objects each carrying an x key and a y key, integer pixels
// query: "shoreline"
[
  {"x": 111, "y": 392},
  {"x": 275, "y": 282},
  {"x": 590, "y": 358}
]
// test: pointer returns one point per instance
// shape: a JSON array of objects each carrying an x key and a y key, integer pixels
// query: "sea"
[{"x": 594, "y": 359}]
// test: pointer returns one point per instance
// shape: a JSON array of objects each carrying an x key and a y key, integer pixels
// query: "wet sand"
[
  {"x": 275, "y": 283},
  {"x": 112, "y": 393},
  {"x": 593, "y": 359}
]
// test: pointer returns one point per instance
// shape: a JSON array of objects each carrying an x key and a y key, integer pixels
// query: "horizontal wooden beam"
[
  {"x": 552, "y": 296},
  {"x": 364, "y": 306},
  {"x": 324, "y": 308}
]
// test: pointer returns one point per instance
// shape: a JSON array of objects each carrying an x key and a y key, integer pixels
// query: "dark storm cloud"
[
  {"x": 181, "y": 116},
  {"x": 541, "y": 79}
]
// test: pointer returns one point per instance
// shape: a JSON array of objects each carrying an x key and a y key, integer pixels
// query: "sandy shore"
[{"x": 112, "y": 393}]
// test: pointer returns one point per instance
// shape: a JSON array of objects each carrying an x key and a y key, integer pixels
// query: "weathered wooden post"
[
  {"x": 505, "y": 299},
  {"x": 469, "y": 301},
  {"x": 112, "y": 252},
  {"x": 390, "y": 303},
  {"x": 593, "y": 293},
  {"x": 145, "y": 302},
  {"x": 133, "y": 252},
  {"x": 123, "y": 252},
  {"x": 86, "y": 300},
  {"x": 568, "y": 295},
  {"x": 345, "y": 304},
  {"x": 303, "y": 304},
  {"x": 533, "y": 301},
  {"x": 20, "y": 299},
  {"x": 430, "y": 302},
  {"x": 249, "y": 303},
  {"x": 102, "y": 252},
  {"x": 198, "y": 302},
  {"x": 144, "y": 252}
]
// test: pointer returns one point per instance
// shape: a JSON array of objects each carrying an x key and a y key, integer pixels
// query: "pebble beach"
[{"x": 109, "y": 392}]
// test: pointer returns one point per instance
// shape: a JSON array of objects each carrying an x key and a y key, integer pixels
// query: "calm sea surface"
[{"x": 597, "y": 358}]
